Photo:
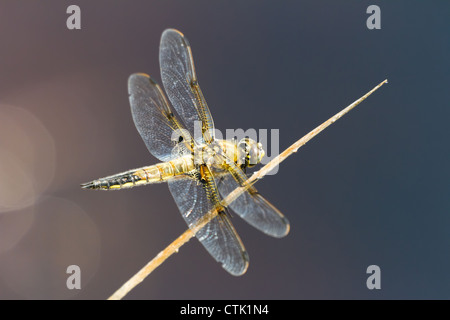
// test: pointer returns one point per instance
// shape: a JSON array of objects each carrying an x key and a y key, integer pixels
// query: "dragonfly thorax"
[{"x": 245, "y": 153}]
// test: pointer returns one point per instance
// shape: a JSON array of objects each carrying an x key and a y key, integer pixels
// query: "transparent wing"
[
  {"x": 153, "y": 117},
  {"x": 218, "y": 236},
  {"x": 181, "y": 84},
  {"x": 250, "y": 205}
]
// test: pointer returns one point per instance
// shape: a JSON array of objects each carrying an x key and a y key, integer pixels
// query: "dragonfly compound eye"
[{"x": 249, "y": 152}]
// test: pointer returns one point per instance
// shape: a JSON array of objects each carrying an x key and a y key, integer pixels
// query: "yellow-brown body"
[{"x": 162, "y": 172}]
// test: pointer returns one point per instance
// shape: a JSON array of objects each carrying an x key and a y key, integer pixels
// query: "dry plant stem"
[{"x": 188, "y": 234}]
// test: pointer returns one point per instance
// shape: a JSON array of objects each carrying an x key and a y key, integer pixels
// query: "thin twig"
[{"x": 188, "y": 234}]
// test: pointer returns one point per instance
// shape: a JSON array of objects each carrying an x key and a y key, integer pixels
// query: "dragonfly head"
[{"x": 250, "y": 152}]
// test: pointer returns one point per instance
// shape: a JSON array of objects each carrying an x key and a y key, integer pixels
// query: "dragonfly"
[{"x": 199, "y": 169}]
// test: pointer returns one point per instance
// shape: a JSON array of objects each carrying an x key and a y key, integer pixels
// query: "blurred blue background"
[{"x": 371, "y": 189}]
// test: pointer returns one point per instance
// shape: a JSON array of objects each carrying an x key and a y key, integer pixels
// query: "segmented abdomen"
[{"x": 157, "y": 173}]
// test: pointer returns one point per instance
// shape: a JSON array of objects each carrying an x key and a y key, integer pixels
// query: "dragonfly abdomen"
[{"x": 157, "y": 173}]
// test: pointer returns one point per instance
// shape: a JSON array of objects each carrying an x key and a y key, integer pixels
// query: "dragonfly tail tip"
[{"x": 87, "y": 185}]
